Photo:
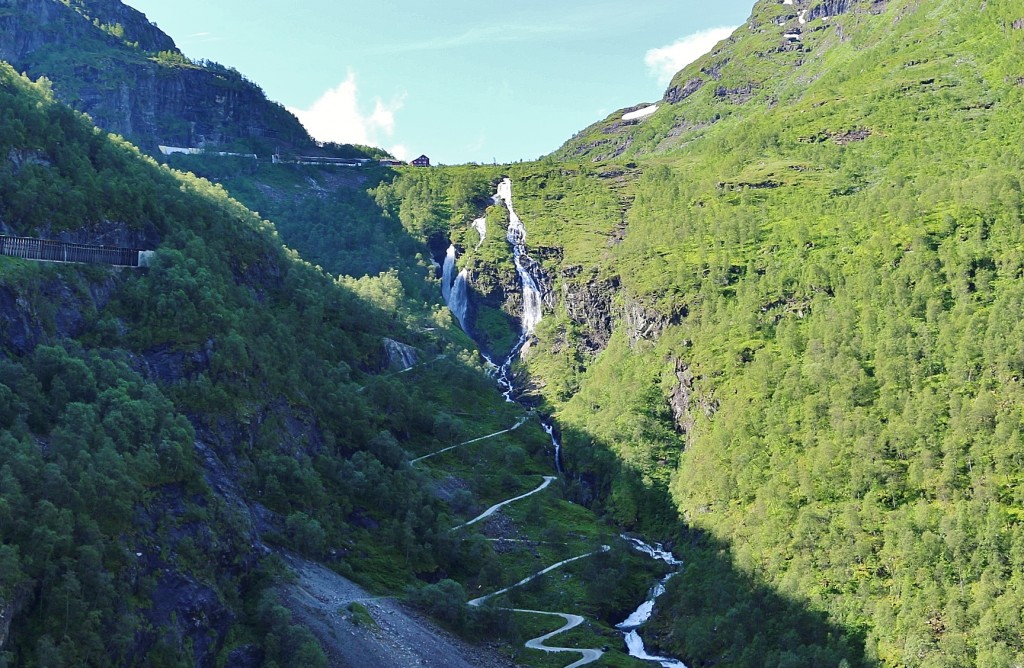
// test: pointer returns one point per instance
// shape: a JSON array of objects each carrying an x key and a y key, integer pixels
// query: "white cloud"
[
  {"x": 400, "y": 151},
  {"x": 337, "y": 117},
  {"x": 665, "y": 61}
]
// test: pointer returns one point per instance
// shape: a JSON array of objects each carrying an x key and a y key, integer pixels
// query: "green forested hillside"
[
  {"x": 782, "y": 331},
  {"x": 173, "y": 436},
  {"x": 149, "y": 417},
  {"x": 797, "y": 308}
]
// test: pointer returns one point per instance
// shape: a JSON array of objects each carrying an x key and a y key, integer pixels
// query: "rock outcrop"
[
  {"x": 676, "y": 94},
  {"x": 589, "y": 304},
  {"x": 688, "y": 398},
  {"x": 107, "y": 60},
  {"x": 645, "y": 322}
]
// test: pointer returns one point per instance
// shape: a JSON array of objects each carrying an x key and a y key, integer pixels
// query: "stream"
[
  {"x": 631, "y": 625},
  {"x": 455, "y": 293}
]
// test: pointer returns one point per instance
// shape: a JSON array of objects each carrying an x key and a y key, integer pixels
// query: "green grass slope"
[{"x": 815, "y": 347}]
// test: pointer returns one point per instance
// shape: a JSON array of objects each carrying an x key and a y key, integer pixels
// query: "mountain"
[
  {"x": 228, "y": 456},
  {"x": 778, "y": 330},
  {"x": 107, "y": 60},
  {"x": 788, "y": 296}
]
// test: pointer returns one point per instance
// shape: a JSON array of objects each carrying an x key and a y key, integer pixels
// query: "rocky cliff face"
[
  {"x": 688, "y": 399},
  {"x": 588, "y": 303},
  {"x": 32, "y": 26},
  {"x": 107, "y": 60}
]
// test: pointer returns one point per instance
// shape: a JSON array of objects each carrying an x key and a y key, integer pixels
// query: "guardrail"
[{"x": 47, "y": 250}]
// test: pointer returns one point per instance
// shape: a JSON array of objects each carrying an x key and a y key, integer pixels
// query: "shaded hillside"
[
  {"x": 166, "y": 430},
  {"x": 791, "y": 301},
  {"x": 171, "y": 435},
  {"x": 105, "y": 59},
  {"x": 784, "y": 305}
]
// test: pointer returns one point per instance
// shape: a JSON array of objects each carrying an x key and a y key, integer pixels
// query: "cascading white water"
[
  {"x": 640, "y": 616},
  {"x": 656, "y": 552},
  {"x": 533, "y": 305},
  {"x": 455, "y": 294},
  {"x": 458, "y": 299},
  {"x": 635, "y": 645},
  {"x": 448, "y": 274},
  {"x": 400, "y": 354},
  {"x": 455, "y": 287},
  {"x": 549, "y": 427}
]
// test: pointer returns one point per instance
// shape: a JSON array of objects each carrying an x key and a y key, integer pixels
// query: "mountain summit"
[{"x": 793, "y": 56}]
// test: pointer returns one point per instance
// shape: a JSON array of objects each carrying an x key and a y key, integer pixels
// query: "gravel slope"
[{"x": 319, "y": 600}]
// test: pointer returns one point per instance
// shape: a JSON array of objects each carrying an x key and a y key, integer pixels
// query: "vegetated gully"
[{"x": 455, "y": 292}]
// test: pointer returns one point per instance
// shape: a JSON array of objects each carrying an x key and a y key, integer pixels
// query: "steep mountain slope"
[
  {"x": 167, "y": 431},
  {"x": 107, "y": 60},
  {"x": 175, "y": 438},
  {"x": 795, "y": 308},
  {"x": 794, "y": 57},
  {"x": 783, "y": 304}
]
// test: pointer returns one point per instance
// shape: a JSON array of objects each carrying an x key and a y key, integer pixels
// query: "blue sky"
[{"x": 459, "y": 80}]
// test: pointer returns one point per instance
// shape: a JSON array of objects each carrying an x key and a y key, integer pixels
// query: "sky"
[{"x": 458, "y": 80}]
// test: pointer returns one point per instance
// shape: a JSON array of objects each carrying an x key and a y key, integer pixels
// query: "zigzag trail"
[
  {"x": 533, "y": 307},
  {"x": 548, "y": 479},
  {"x": 572, "y": 621}
]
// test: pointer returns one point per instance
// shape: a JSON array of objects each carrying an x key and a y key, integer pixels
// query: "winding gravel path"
[
  {"x": 548, "y": 479},
  {"x": 571, "y": 621},
  {"x": 517, "y": 425}
]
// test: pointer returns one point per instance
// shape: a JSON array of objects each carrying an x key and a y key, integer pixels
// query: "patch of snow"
[
  {"x": 640, "y": 113},
  {"x": 803, "y": 17}
]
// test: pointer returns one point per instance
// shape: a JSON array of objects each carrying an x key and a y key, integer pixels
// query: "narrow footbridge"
[{"x": 46, "y": 250}]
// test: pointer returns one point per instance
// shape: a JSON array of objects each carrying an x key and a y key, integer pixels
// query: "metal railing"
[{"x": 48, "y": 250}]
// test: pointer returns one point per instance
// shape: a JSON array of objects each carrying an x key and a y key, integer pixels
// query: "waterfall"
[
  {"x": 448, "y": 273},
  {"x": 549, "y": 427},
  {"x": 635, "y": 645},
  {"x": 458, "y": 298},
  {"x": 533, "y": 305},
  {"x": 455, "y": 287},
  {"x": 480, "y": 224},
  {"x": 529, "y": 271},
  {"x": 400, "y": 355}
]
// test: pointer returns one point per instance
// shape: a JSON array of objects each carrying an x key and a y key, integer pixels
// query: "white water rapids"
[{"x": 642, "y": 614}]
